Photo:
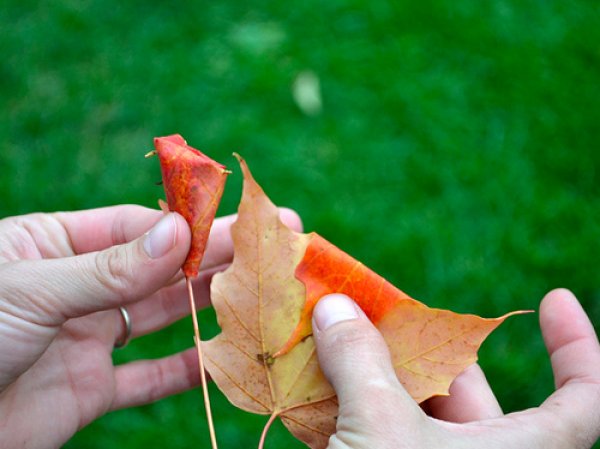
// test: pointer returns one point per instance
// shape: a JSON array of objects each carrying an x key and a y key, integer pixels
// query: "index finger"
[
  {"x": 570, "y": 338},
  {"x": 98, "y": 229},
  {"x": 575, "y": 356}
]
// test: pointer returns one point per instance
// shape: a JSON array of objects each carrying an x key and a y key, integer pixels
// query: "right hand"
[{"x": 376, "y": 411}]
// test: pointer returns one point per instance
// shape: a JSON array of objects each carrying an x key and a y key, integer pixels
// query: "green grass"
[{"x": 456, "y": 152}]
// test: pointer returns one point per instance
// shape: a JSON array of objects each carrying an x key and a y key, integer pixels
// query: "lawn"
[{"x": 451, "y": 146}]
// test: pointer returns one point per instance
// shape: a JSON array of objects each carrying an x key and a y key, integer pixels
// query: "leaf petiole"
[{"x": 198, "y": 343}]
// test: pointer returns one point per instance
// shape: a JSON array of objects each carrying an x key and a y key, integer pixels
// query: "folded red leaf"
[
  {"x": 193, "y": 184},
  {"x": 327, "y": 269}
]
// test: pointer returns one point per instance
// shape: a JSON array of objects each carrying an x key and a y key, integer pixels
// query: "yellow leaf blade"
[{"x": 258, "y": 301}]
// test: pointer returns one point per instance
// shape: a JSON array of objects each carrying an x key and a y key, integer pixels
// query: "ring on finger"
[{"x": 126, "y": 336}]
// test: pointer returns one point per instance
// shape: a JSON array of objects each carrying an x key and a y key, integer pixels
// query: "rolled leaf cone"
[{"x": 193, "y": 184}]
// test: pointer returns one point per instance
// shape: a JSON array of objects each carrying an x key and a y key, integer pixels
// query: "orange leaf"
[
  {"x": 327, "y": 269},
  {"x": 194, "y": 185},
  {"x": 429, "y": 347},
  {"x": 258, "y": 301}
]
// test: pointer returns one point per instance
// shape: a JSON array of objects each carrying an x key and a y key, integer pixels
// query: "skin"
[
  {"x": 62, "y": 278},
  {"x": 376, "y": 412}
]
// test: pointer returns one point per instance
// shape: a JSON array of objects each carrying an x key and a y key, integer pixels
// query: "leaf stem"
[
  {"x": 261, "y": 443},
  {"x": 197, "y": 341}
]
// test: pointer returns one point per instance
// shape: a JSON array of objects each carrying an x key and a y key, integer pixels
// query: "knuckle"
[
  {"x": 575, "y": 431},
  {"x": 362, "y": 351},
  {"x": 350, "y": 336},
  {"x": 34, "y": 303},
  {"x": 157, "y": 378},
  {"x": 113, "y": 270},
  {"x": 357, "y": 342}
]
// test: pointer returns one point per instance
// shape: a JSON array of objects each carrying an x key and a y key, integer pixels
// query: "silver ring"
[{"x": 123, "y": 340}]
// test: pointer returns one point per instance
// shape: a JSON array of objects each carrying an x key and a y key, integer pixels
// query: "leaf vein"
[
  {"x": 238, "y": 318},
  {"x": 239, "y": 385}
]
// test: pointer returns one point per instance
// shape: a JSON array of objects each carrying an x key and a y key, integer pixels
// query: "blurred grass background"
[{"x": 451, "y": 146}]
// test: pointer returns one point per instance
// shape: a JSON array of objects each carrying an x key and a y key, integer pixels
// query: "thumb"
[
  {"x": 355, "y": 359},
  {"x": 51, "y": 291}
]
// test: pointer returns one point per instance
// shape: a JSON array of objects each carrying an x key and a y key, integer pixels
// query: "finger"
[
  {"x": 146, "y": 381},
  {"x": 291, "y": 219},
  {"x": 75, "y": 286},
  {"x": 575, "y": 356},
  {"x": 571, "y": 415},
  {"x": 570, "y": 338},
  {"x": 98, "y": 229},
  {"x": 356, "y": 361},
  {"x": 470, "y": 399},
  {"x": 170, "y": 304}
]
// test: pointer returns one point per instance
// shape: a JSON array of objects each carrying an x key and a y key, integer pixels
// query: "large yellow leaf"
[
  {"x": 265, "y": 360},
  {"x": 258, "y": 302}
]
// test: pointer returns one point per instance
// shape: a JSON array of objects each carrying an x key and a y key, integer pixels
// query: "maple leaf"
[
  {"x": 193, "y": 184},
  {"x": 430, "y": 347},
  {"x": 258, "y": 301},
  {"x": 264, "y": 360}
]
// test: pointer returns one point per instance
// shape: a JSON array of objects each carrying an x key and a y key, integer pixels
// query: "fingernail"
[
  {"x": 332, "y": 309},
  {"x": 161, "y": 238}
]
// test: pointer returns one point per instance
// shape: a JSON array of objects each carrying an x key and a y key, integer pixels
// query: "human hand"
[
  {"x": 63, "y": 277},
  {"x": 376, "y": 412}
]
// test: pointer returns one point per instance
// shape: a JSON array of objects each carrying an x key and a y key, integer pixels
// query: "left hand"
[{"x": 63, "y": 277}]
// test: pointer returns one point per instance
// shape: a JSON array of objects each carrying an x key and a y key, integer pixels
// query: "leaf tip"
[
  {"x": 245, "y": 170},
  {"x": 516, "y": 312},
  {"x": 163, "y": 206}
]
